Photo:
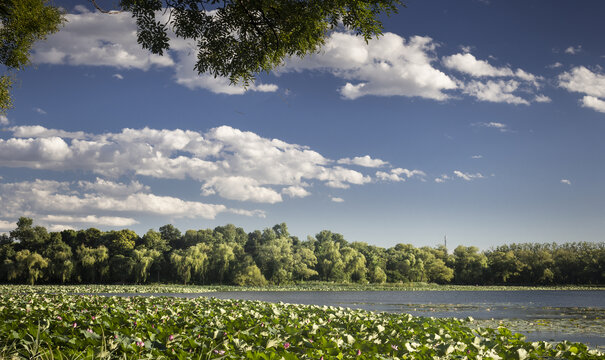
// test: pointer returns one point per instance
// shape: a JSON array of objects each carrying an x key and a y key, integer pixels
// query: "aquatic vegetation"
[
  {"x": 306, "y": 286},
  {"x": 90, "y": 326}
]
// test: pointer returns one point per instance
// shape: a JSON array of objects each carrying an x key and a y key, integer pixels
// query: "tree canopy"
[
  {"x": 22, "y": 23},
  {"x": 236, "y": 39},
  {"x": 227, "y": 255}
]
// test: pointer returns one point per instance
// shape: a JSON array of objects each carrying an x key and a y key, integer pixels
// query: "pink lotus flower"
[
  {"x": 358, "y": 352},
  {"x": 171, "y": 337},
  {"x": 286, "y": 345}
]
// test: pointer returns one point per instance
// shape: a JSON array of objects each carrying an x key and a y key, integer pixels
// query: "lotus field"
[{"x": 64, "y": 326}]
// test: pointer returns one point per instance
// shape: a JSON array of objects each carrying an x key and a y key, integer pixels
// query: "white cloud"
[
  {"x": 40, "y": 111},
  {"x": 337, "y": 199},
  {"x": 582, "y": 80},
  {"x": 233, "y": 164},
  {"x": 494, "y": 125},
  {"x": 118, "y": 76},
  {"x": 573, "y": 49},
  {"x": 542, "y": 99},
  {"x": 442, "y": 178},
  {"x": 96, "y": 39},
  {"x": 399, "y": 174},
  {"x": 295, "y": 192},
  {"x": 591, "y": 84},
  {"x": 90, "y": 219},
  {"x": 593, "y": 103},
  {"x": 113, "y": 189},
  {"x": 365, "y": 161},
  {"x": 477, "y": 157},
  {"x": 4, "y": 120},
  {"x": 67, "y": 202},
  {"x": 468, "y": 176},
  {"x": 386, "y": 66},
  {"x": 6, "y": 226},
  {"x": 38, "y": 131},
  {"x": 240, "y": 188},
  {"x": 565, "y": 181},
  {"x": 555, "y": 65},
  {"x": 468, "y": 64},
  {"x": 59, "y": 227},
  {"x": 495, "y": 91}
]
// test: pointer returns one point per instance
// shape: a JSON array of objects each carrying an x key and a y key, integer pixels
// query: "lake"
[{"x": 539, "y": 314}]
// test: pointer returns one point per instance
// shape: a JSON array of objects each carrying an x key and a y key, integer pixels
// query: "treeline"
[{"x": 229, "y": 255}]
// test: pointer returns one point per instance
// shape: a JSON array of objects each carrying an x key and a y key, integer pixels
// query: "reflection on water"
[{"x": 541, "y": 315}]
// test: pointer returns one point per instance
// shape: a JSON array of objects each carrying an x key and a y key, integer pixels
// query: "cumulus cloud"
[
  {"x": 387, "y": 66},
  {"x": 337, "y": 199},
  {"x": 95, "y": 39},
  {"x": 565, "y": 181},
  {"x": 556, "y": 65},
  {"x": 593, "y": 103},
  {"x": 42, "y": 132},
  {"x": 495, "y": 91},
  {"x": 582, "y": 80},
  {"x": 4, "y": 120},
  {"x": 399, "y": 174},
  {"x": 228, "y": 162},
  {"x": 240, "y": 188},
  {"x": 542, "y": 99},
  {"x": 591, "y": 84},
  {"x": 365, "y": 161},
  {"x": 105, "y": 203},
  {"x": 118, "y": 76},
  {"x": 295, "y": 192},
  {"x": 468, "y": 64},
  {"x": 477, "y": 157}
]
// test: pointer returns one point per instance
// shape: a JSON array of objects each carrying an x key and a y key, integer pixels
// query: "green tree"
[
  {"x": 92, "y": 263},
  {"x": 240, "y": 38},
  {"x": 153, "y": 240},
  {"x": 191, "y": 263},
  {"x": 303, "y": 264},
  {"x": 354, "y": 265},
  {"x": 61, "y": 264},
  {"x": 172, "y": 235},
  {"x": 30, "y": 237},
  {"x": 22, "y": 23},
  {"x": 250, "y": 276},
  {"x": 143, "y": 260},
  {"x": 222, "y": 259},
  {"x": 470, "y": 265},
  {"x": 30, "y": 265},
  {"x": 121, "y": 241}
]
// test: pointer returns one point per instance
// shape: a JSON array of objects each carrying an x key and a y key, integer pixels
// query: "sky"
[{"x": 482, "y": 121}]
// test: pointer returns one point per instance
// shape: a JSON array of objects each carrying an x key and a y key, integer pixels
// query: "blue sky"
[{"x": 479, "y": 120}]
